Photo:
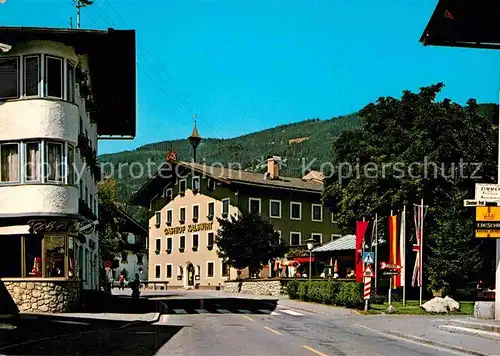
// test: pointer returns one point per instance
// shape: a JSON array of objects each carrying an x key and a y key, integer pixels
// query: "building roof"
[
  {"x": 346, "y": 242},
  {"x": 226, "y": 176},
  {"x": 464, "y": 23},
  {"x": 112, "y": 66}
]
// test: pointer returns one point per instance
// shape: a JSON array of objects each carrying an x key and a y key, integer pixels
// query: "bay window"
[
  {"x": 32, "y": 163},
  {"x": 58, "y": 77},
  {"x": 54, "y": 77},
  {"x": 9, "y": 162},
  {"x": 9, "y": 77},
  {"x": 31, "y": 75}
]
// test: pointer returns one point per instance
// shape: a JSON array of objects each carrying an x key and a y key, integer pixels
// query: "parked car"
[{"x": 475, "y": 291}]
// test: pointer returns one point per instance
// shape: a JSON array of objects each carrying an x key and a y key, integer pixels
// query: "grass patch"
[{"x": 412, "y": 307}]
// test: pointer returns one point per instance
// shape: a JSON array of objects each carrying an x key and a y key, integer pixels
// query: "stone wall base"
[
  {"x": 484, "y": 310},
  {"x": 261, "y": 287},
  {"x": 46, "y": 297}
]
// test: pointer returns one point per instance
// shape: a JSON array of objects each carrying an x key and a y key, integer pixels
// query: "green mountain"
[{"x": 308, "y": 140}]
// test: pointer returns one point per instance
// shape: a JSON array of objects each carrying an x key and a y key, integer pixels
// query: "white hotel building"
[{"x": 60, "y": 92}]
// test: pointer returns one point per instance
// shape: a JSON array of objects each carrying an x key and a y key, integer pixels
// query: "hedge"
[{"x": 345, "y": 294}]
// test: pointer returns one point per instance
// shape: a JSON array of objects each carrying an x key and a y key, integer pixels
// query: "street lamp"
[{"x": 310, "y": 245}]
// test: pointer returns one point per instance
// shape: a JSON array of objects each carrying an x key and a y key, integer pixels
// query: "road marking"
[
  {"x": 291, "y": 312},
  {"x": 201, "y": 311},
  {"x": 272, "y": 330},
  {"x": 247, "y": 317},
  {"x": 244, "y": 311},
  {"x": 313, "y": 350},
  {"x": 180, "y": 311},
  {"x": 223, "y": 311}
]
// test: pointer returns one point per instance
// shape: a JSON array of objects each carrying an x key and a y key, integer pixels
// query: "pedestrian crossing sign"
[{"x": 368, "y": 257}]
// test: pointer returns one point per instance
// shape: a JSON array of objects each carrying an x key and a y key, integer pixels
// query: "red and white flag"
[{"x": 416, "y": 279}]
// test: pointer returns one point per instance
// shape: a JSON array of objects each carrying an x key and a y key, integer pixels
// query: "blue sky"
[{"x": 247, "y": 65}]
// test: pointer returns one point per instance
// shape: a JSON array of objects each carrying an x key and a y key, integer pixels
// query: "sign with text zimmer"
[
  {"x": 487, "y": 224},
  {"x": 487, "y": 191}
]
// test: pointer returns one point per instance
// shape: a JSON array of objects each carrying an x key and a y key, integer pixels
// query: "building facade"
[
  {"x": 54, "y": 107},
  {"x": 185, "y": 199}
]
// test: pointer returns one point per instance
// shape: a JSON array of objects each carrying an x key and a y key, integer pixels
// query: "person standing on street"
[{"x": 122, "y": 281}]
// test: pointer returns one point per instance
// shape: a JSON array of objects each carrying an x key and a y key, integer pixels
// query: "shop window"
[
  {"x": 54, "y": 256},
  {"x": 71, "y": 257},
  {"x": 33, "y": 249},
  {"x": 9, "y": 255},
  {"x": 9, "y": 162},
  {"x": 9, "y": 77},
  {"x": 32, "y": 161},
  {"x": 54, "y": 159},
  {"x": 31, "y": 75},
  {"x": 54, "y": 77}
]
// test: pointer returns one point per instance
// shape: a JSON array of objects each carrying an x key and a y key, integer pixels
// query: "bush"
[
  {"x": 348, "y": 294},
  {"x": 292, "y": 289},
  {"x": 378, "y": 299}
]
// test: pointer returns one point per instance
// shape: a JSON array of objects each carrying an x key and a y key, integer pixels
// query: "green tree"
[
  {"x": 248, "y": 241},
  {"x": 412, "y": 148},
  {"x": 110, "y": 240}
]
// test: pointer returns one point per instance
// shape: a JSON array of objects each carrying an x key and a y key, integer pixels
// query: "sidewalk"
[{"x": 428, "y": 330}]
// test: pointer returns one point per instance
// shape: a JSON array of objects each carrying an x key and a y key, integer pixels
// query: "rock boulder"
[{"x": 441, "y": 305}]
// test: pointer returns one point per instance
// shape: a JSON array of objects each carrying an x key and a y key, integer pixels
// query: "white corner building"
[{"x": 60, "y": 92}]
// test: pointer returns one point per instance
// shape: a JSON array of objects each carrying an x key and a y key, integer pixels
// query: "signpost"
[
  {"x": 367, "y": 277},
  {"x": 390, "y": 270}
]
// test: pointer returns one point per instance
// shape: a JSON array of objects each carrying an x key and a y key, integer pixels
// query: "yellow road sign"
[
  {"x": 488, "y": 234},
  {"x": 488, "y": 213},
  {"x": 487, "y": 222}
]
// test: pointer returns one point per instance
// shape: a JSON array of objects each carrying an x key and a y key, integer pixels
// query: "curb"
[
  {"x": 469, "y": 331},
  {"x": 436, "y": 343}
]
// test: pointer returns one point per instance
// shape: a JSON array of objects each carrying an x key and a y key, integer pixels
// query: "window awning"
[{"x": 304, "y": 259}]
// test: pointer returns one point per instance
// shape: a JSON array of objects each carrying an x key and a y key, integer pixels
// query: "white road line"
[
  {"x": 223, "y": 311},
  {"x": 244, "y": 311},
  {"x": 180, "y": 311},
  {"x": 291, "y": 312},
  {"x": 201, "y": 311},
  {"x": 266, "y": 311}
]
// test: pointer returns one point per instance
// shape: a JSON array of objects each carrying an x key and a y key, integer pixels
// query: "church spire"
[{"x": 195, "y": 138}]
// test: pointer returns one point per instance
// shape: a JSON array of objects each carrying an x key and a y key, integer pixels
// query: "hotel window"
[
  {"x": 295, "y": 210},
  {"x": 157, "y": 271},
  {"x": 211, "y": 184},
  {"x": 169, "y": 216},
  {"x": 169, "y": 244},
  {"x": 317, "y": 237},
  {"x": 211, "y": 210},
  {"x": 158, "y": 218},
  {"x": 70, "y": 82},
  {"x": 182, "y": 186},
  {"x": 55, "y": 254},
  {"x": 225, "y": 269},
  {"x": 169, "y": 271},
  {"x": 196, "y": 212},
  {"x": 54, "y": 158},
  {"x": 195, "y": 242},
  {"x": 32, "y": 162},
  {"x": 225, "y": 207},
  {"x": 9, "y": 162},
  {"x": 210, "y": 242},
  {"x": 168, "y": 193},
  {"x": 182, "y": 243},
  {"x": 9, "y": 77},
  {"x": 182, "y": 215},
  {"x": 295, "y": 238},
  {"x": 31, "y": 75},
  {"x": 196, "y": 184},
  {"x": 210, "y": 269},
  {"x": 254, "y": 205},
  {"x": 54, "y": 77},
  {"x": 158, "y": 245},
  {"x": 275, "y": 208},
  {"x": 317, "y": 212},
  {"x": 71, "y": 165}
]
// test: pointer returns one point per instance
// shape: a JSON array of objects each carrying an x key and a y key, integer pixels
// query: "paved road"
[{"x": 195, "y": 325}]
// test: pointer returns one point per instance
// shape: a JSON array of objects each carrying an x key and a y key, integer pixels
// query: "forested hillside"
[{"x": 248, "y": 150}]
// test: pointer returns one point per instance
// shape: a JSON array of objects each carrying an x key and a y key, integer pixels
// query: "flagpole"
[
  {"x": 421, "y": 249},
  {"x": 403, "y": 255},
  {"x": 376, "y": 251},
  {"x": 390, "y": 278}
]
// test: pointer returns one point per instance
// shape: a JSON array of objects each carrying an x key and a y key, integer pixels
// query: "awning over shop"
[
  {"x": 347, "y": 242},
  {"x": 304, "y": 259}
]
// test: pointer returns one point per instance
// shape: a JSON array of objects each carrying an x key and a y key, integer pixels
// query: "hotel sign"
[
  {"x": 70, "y": 226},
  {"x": 487, "y": 223},
  {"x": 189, "y": 228}
]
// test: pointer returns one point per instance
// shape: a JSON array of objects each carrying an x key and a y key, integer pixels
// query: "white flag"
[{"x": 402, "y": 247}]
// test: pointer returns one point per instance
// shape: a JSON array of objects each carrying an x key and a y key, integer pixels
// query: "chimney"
[{"x": 273, "y": 169}]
